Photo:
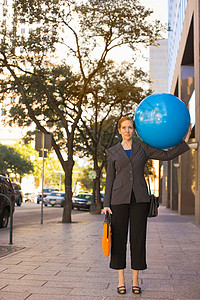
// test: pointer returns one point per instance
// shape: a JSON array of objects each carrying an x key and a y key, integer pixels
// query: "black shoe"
[
  {"x": 136, "y": 290},
  {"x": 121, "y": 289}
]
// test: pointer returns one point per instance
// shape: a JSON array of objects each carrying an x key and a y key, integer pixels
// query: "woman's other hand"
[{"x": 105, "y": 209}]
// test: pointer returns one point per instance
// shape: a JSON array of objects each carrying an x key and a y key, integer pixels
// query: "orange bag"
[{"x": 106, "y": 238}]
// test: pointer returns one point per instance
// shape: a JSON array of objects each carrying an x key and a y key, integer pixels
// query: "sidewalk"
[{"x": 65, "y": 261}]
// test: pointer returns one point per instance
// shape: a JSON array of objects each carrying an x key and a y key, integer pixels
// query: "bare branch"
[{"x": 78, "y": 47}]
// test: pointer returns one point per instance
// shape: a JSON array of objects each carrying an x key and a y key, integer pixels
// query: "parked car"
[
  {"x": 55, "y": 198},
  {"x": 18, "y": 193},
  {"x": 83, "y": 200},
  {"x": 30, "y": 197},
  {"x": 6, "y": 189},
  {"x": 46, "y": 192}
]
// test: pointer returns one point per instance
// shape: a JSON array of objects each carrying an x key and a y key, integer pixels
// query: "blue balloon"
[{"x": 162, "y": 120}]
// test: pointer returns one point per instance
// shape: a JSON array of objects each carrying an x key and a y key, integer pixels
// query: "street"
[
  {"x": 65, "y": 261},
  {"x": 30, "y": 214}
]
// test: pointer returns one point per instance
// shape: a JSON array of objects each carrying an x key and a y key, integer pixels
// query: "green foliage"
[
  {"x": 12, "y": 160},
  {"x": 52, "y": 176},
  {"x": 81, "y": 175},
  {"x": 50, "y": 95},
  {"x": 52, "y": 168},
  {"x": 23, "y": 159},
  {"x": 85, "y": 180}
]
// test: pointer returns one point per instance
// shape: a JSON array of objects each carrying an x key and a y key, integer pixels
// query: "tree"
[
  {"x": 85, "y": 179},
  {"x": 112, "y": 92},
  {"x": 94, "y": 28},
  {"x": 53, "y": 176},
  {"x": 52, "y": 166},
  {"x": 12, "y": 161}
]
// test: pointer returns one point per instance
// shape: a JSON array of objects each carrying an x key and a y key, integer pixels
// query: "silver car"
[{"x": 55, "y": 198}]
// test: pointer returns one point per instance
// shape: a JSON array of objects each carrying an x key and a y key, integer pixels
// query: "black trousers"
[{"x": 137, "y": 214}]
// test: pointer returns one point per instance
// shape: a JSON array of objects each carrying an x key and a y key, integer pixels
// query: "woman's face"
[{"x": 126, "y": 130}]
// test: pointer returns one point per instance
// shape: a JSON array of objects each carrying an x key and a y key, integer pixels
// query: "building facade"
[
  {"x": 158, "y": 73},
  {"x": 158, "y": 66},
  {"x": 10, "y": 135},
  {"x": 182, "y": 175}
]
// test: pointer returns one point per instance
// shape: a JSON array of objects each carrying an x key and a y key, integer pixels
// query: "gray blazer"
[{"x": 125, "y": 175}]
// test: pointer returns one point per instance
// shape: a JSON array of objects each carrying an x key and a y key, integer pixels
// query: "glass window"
[
  {"x": 158, "y": 77},
  {"x": 158, "y": 63},
  {"x": 158, "y": 70},
  {"x": 159, "y": 50},
  {"x": 163, "y": 57},
  {"x": 187, "y": 82},
  {"x": 54, "y": 194},
  {"x": 191, "y": 107}
]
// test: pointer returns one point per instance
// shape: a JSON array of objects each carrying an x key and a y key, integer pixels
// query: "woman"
[{"x": 126, "y": 198}]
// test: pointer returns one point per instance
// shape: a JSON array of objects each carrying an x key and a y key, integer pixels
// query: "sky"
[
  {"x": 160, "y": 12},
  {"x": 160, "y": 8}
]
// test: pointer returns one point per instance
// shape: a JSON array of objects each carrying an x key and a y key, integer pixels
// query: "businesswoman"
[{"x": 126, "y": 198}]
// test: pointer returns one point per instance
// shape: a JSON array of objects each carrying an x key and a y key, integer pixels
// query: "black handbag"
[
  {"x": 154, "y": 204},
  {"x": 153, "y": 208}
]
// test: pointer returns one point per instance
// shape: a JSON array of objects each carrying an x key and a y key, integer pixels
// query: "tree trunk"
[
  {"x": 68, "y": 191},
  {"x": 98, "y": 189}
]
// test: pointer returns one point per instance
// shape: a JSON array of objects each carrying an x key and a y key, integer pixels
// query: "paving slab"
[
  {"x": 65, "y": 261},
  {"x": 13, "y": 296}
]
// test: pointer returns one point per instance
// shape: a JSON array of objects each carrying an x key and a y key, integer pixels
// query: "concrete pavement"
[{"x": 65, "y": 261}]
